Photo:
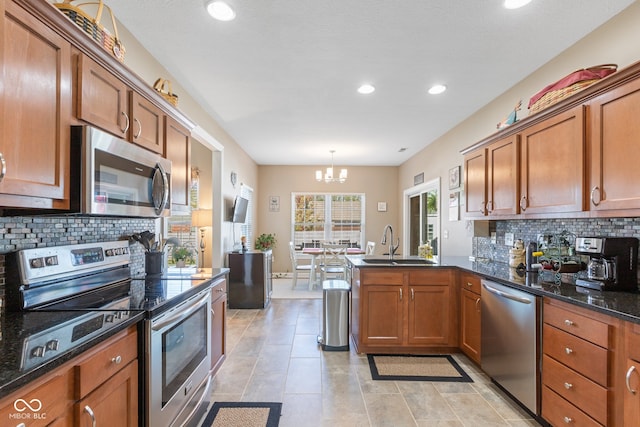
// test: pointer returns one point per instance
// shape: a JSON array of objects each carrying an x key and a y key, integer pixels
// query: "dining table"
[{"x": 314, "y": 252}]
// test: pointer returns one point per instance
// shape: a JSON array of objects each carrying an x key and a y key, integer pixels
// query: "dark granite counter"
[
  {"x": 148, "y": 296},
  {"x": 623, "y": 305}
]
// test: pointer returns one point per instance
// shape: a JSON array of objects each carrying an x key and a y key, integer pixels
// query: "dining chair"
[
  {"x": 334, "y": 263},
  {"x": 371, "y": 246},
  {"x": 296, "y": 267}
]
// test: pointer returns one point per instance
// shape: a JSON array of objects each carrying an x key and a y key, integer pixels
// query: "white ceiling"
[{"x": 281, "y": 78}]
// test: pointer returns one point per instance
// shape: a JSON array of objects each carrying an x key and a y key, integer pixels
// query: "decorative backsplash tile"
[{"x": 40, "y": 231}]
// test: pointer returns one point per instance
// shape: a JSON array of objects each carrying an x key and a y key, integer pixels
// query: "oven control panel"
[{"x": 43, "y": 264}]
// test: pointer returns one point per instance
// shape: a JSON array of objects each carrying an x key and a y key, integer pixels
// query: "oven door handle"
[{"x": 178, "y": 317}]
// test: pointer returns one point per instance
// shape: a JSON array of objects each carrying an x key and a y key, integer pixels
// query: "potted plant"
[
  {"x": 264, "y": 242},
  {"x": 181, "y": 255}
]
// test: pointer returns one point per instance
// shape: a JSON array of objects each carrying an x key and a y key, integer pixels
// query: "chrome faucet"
[{"x": 392, "y": 249}]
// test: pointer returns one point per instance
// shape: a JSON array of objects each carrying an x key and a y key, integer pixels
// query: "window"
[
  {"x": 320, "y": 217},
  {"x": 247, "y": 228}
]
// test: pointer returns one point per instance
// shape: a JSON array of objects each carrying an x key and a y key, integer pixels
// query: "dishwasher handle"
[{"x": 507, "y": 295}]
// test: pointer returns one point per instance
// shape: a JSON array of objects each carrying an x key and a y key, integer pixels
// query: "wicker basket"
[
  {"x": 91, "y": 25},
  {"x": 569, "y": 85},
  {"x": 163, "y": 87}
]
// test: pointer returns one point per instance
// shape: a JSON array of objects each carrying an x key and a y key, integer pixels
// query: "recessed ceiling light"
[
  {"x": 220, "y": 10},
  {"x": 437, "y": 89},
  {"x": 515, "y": 4},
  {"x": 366, "y": 89}
]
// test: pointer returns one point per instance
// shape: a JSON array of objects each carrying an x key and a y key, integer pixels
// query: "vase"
[{"x": 180, "y": 263}]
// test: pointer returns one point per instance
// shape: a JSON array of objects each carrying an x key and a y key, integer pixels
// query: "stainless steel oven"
[
  {"x": 115, "y": 177},
  {"x": 178, "y": 379}
]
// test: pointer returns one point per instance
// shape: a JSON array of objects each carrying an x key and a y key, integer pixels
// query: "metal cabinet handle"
[
  {"x": 400, "y": 294},
  {"x": 3, "y": 167},
  {"x": 523, "y": 203},
  {"x": 469, "y": 284},
  {"x": 477, "y": 304},
  {"x": 627, "y": 380},
  {"x": 490, "y": 206},
  {"x": 482, "y": 208},
  {"x": 593, "y": 191},
  {"x": 117, "y": 360},
  {"x": 568, "y": 322},
  {"x": 89, "y": 411},
  {"x": 568, "y": 386},
  {"x": 135, "y": 136},
  {"x": 568, "y": 350},
  {"x": 568, "y": 420},
  {"x": 127, "y": 122},
  {"x": 413, "y": 294}
]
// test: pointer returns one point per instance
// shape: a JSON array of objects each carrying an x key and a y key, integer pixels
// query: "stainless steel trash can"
[{"x": 335, "y": 315}]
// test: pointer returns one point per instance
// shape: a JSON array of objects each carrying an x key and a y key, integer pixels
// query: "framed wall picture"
[
  {"x": 454, "y": 177},
  {"x": 382, "y": 206},
  {"x": 274, "y": 203}
]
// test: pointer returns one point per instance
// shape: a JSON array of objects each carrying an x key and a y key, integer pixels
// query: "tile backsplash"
[
  {"x": 528, "y": 230},
  {"x": 39, "y": 231}
]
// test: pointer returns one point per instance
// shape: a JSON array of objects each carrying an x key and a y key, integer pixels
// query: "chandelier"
[{"x": 328, "y": 175}]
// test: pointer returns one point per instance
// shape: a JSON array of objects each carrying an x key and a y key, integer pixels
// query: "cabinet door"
[
  {"x": 382, "y": 315},
  {"x": 475, "y": 183},
  {"x": 503, "y": 177},
  {"x": 146, "y": 124},
  {"x": 218, "y": 324},
  {"x": 35, "y": 112},
  {"x": 615, "y": 133},
  {"x": 178, "y": 150},
  {"x": 429, "y": 315},
  {"x": 114, "y": 403},
  {"x": 552, "y": 164},
  {"x": 470, "y": 324},
  {"x": 102, "y": 98}
]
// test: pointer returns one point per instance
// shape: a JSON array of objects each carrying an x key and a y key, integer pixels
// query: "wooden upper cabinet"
[
  {"x": 178, "y": 150},
  {"x": 475, "y": 183},
  {"x": 146, "y": 124},
  {"x": 615, "y": 149},
  {"x": 552, "y": 164},
  {"x": 503, "y": 177},
  {"x": 102, "y": 98},
  {"x": 35, "y": 112},
  {"x": 105, "y": 101}
]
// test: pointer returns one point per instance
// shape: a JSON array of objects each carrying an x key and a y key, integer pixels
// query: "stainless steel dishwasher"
[{"x": 511, "y": 341}]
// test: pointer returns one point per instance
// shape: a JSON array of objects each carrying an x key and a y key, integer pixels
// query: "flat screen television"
[{"x": 239, "y": 212}]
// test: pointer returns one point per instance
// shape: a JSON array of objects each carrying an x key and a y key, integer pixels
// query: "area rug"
[
  {"x": 243, "y": 414},
  {"x": 438, "y": 367}
]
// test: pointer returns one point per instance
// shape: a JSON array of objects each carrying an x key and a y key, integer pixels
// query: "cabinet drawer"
[
  {"x": 577, "y": 324},
  {"x": 578, "y": 354},
  {"x": 382, "y": 277},
  {"x": 218, "y": 289},
  {"x": 580, "y": 391},
  {"x": 48, "y": 401},
  {"x": 109, "y": 358},
  {"x": 470, "y": 282},
  {"x": 559, "y": 412},
  {"x": 430, "y": 276}
]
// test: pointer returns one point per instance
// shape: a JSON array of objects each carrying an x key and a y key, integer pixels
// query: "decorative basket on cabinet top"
[{"x": 91, "y": 25}]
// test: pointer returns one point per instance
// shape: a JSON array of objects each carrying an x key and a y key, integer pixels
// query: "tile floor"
[{"x": 272, "y": 356}]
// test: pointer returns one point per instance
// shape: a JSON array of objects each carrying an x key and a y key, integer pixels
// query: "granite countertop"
[
  {"x": 623, "y": 305},
  {"x": 16, "y": 326}
]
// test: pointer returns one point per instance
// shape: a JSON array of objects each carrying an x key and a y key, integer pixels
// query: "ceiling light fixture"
[
  {"x": 515, "y": 4},
  {"x": 437, "y": 89},
  {"x": 366, "y": 89},
  {"x": 220, "y": 10},
  {"x": 328, "y": 176}
]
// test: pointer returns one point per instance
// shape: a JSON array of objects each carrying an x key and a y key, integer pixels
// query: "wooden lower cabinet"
[
  {"x": 100, "y": 384},
  {"x": 631, "y": 392},
  {"x": 398, "y": 309},
  {"x": 218, "y": 324},
  {"x": 470, "y": 316},
  {"x": 580, "y": 366}
]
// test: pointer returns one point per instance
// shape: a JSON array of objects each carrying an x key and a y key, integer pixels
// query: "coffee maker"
[{"x": 613, "y": 263}]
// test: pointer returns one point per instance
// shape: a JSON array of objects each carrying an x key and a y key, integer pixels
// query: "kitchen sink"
[{"x": 399, "y": 261}]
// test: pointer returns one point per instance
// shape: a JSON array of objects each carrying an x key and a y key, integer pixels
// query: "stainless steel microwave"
[{"x": 111, "y": 176}]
